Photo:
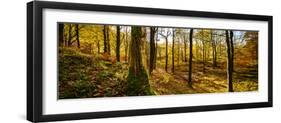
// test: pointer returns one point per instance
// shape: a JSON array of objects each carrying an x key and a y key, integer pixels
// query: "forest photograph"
[{"x": 104, "y": 60}]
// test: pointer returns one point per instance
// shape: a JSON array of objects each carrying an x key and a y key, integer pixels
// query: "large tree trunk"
[
  {"x": 104, "y": 39},
  {"x": 77, "y": 35},
  {"x": 61, "y": 34},
  {"x": 229, "y": 62},
  {"x": 152, "y": 49},
  {"x": 137, "y": 80},
  {"x": 118, "y": 43},
  {"x": 173, "y": 52},
  {"x": 190, "y": 58}
]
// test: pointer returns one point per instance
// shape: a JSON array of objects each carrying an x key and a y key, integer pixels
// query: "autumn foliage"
[{"x": 113, "y": 60}]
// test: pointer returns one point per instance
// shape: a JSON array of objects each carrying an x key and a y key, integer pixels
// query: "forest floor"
[
  {"x": 212, "y": 80},
  {"x": 85, "y": 76}
]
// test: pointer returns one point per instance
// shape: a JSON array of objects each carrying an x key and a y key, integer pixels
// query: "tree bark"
[
  {"x": 166, "y": 63},
  {"x": 104, "y": 39},
  {"x": 61, "y": 34},
  {"x": 214, "y": 47},
  {"x": 137, "y": 80},
  {"x": 155, "y": 54},
  {"x": 178, "y": 52},
  {"x": 135, "y": 50},
  {"x": 108, "y": 39},
  {"x": 98, "y": 46},
  {"x": 204, "y": 52},
  {"x": 190, "y": 58},
  {"x": 173, "y": 51},
  {"x": 229, "y": 62},
  {"x": 126, "y": 44},
  {"x": 156, "y": 48},
  {"x": 184, "y": 41},
  {"x": 232, "y": 49},
  {"x": 159, "y": 53},
  {"x": 77, "y": 35},
  {"x": 118, "y": 43},
  {"x": 69, "y": 35},
  {"x": 152, "y": 49}
]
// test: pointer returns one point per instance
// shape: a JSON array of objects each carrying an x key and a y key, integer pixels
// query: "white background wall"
[{"x": 13, "y": 61}]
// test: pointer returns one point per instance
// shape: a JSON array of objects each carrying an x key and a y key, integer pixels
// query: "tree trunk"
[
  {"x": 126, "y": 44},
  {"x": 232, "y": 50},
  {"x": 65, "y": 38},
  {"x": 137, "y": 80},
  {"x": 104, "y": 39},
  {"x": 108, "y": 39},
  {"x": 204, "y": 54},
  {"x": 61, "y": 34},
  {"x": 98, "y": 46},
  {"x": 135, "y": 50},
  {"x": 214, "y": 50},
  {"x": 182, "y": 57},
  {"x": 166, "y": 63},
  {"x": 159, "y": 52},
  {"x": 173, "y": 52},
  {"x": 178, "y": 52},
  {"x": 69, "y": 35},
  {"x": 155, "y": 54},
  {"x": 156, "y": 47},
  {"x": 229, "y": 62},
  {"x": 118, "y": 43},
  {"x": 77, "y": 35},
  {"x": 152, "y": 49},
  {"x": 184, "y": 41},
  {"x": 190, "y": 58}
]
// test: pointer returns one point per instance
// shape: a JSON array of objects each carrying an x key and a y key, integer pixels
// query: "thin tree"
[
  {"x": 214, "y": 47},
  {"x": 77, "y": 35},
  {"x": 69, "y": 35},
  {"x": 204, "y": 50},
  {"x": 166, "y": 33},
  {"x": 179, "y": 41},
  {"x": 190, "y": 58},
  {"x": 104, "y": 39},
  {"x": 126, "y": 43},
  {"x": 229, "y": 61},
  {"x": 108, "y": 39},
  {"x": 98, "y": 42},
  {"x": 184, "y": 49},
  {"x": 232, "y": 49},
  {"x": 156, "y": 47},
  {"x": 118, "y": 43},
  {"x": 173, "y": 51}
]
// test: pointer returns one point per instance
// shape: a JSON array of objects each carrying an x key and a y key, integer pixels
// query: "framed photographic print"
[{"x": 94, "y": 61}]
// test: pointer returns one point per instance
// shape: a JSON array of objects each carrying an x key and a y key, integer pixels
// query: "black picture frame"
[{"x": 34, "y": 60}]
